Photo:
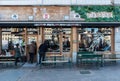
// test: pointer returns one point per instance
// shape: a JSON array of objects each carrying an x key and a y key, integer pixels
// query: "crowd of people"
[{"x": 18, "y": 51}]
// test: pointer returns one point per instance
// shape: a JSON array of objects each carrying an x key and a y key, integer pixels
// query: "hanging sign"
[
  {"x": 14, "y": 16},
  {"x": 57, "y": 24},
  {"x": 46, "y": 16}
]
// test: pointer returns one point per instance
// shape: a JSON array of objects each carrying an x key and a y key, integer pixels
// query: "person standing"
[
  {"x": 42, "y": 51},
  {"x": 32, "y": 51},
  {"x": 17, "y": 54},
  {"x": 11, "y": 48}
]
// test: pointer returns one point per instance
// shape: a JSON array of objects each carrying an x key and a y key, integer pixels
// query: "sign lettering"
[{"x": 100, "y": 14}]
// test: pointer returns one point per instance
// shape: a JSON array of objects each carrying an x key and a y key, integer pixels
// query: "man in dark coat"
[{"x": 42, "y": 50}]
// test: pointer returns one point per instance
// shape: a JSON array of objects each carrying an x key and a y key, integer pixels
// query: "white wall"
[
  {"x": 20, "y": 2},
  {"x": 117, "y": 2},
  {"x": 93, "y": 2},
  {"x": 55, "y": 2}
]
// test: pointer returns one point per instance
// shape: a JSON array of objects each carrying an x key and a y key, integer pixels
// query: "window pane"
[
  {"x": 94, "y": 39},
  {"x": 66, "y": 39},
  {"x": 52, "y": 35}
]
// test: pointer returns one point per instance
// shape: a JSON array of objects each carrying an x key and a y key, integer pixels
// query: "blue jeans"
[{"x": 41, "y": 57}]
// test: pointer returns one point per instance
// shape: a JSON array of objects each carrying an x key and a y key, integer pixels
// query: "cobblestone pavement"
[{"x": 106, "y": 73}]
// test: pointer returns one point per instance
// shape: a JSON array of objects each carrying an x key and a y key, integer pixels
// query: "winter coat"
[{"x": 17, "y": 52}]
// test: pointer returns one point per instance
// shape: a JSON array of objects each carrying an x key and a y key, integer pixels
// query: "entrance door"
[{"x": 32, "y": 36}]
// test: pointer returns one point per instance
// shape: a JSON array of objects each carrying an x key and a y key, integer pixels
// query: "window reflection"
[
  {"x": 59, "y": 39},
  {"x": 94, "y": 39},
  {"x": 66, "y": 44},
  {"x": 52, "y": 35}
]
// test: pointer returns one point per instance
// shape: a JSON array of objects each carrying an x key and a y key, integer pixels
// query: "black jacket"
[{"x": 43, "y": 48}]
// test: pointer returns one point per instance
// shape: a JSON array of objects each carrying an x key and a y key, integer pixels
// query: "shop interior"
[{"x": 59, "y": 39}]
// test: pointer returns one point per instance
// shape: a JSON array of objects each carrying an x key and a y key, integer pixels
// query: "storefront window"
[
  {"x": 94, "y": 39},
  {"x": 59, "y": 39},
  {"x": 11, "y": 37},
  {"x": 32, "y": 35},
  {"x": 66, "y": 39},
  {"x": 52, "y": 35}
]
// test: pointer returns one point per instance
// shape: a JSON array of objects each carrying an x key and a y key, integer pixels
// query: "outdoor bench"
[
  {"x": 89, "y": 57},
  {"x": 7, "y": 59},
  {"x": 111, "y": 57},
  {"x": 55, "y": 59}
]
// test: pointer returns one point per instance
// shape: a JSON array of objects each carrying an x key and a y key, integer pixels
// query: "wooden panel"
[
  {"x": 113, "y": 40},
  {"x": 0, "y": 40}
]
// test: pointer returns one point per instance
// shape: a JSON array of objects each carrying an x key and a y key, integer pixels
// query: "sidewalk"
[
  {"x": 111, "y": 73},
  {"x": 106, "y": 73},
  {"x": 11, "y": 75},
  {"x": 35, "y": 73}
]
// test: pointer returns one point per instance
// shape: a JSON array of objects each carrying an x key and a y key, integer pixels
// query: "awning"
[{"x": 57, "y": 23}]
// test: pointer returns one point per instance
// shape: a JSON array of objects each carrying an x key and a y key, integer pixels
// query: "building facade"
[{"x": 69, "y": 26}]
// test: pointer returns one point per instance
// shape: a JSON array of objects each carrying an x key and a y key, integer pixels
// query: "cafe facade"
[{"x": 68, "y": 29}]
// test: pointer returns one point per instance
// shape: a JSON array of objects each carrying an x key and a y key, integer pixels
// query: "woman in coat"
[{"x": 17, "y": 54}]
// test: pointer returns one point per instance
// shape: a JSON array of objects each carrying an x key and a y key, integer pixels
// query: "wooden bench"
[
  {"x": 55, "y": 59},
  {"x": 7, "y": 59},
  {"x": 89, "y": 57},
  {"x": 111, "y": 58}
]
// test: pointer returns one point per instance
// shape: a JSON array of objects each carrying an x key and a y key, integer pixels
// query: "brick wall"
[
  {"x": 57, "y": 2},
  {"x": 37, "y": 12}
]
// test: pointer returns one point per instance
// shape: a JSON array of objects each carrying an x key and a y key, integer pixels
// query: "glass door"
[{"x": 32, "y": 37}]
